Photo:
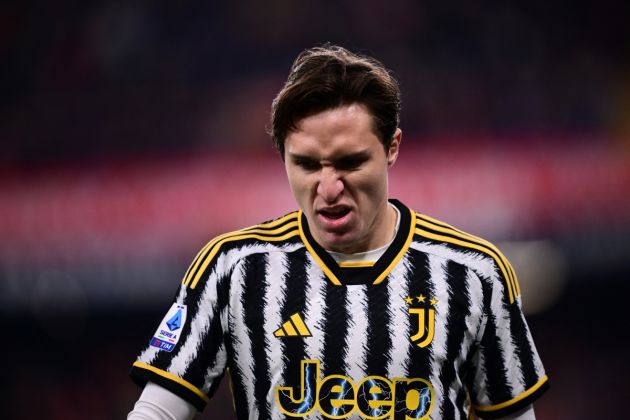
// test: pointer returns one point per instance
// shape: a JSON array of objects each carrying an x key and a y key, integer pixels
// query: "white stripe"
[
  {"x": 355, "y": 356},
  {"x": 475, "y": 322},
  {"x": 437, "y": 275},
  {"x": 215, "y": 370},
  {"x": 315, "y": 307},
  {"x": 511, "y": 360},
  {"x": 275, "y": 299},
  {"x": 398, "y": 327},
  {"x": 474, "y": 318},
  {"x": 243, "y": 358},
  {"x": 452, "y": 396},
  {"x": 480, "y": 385}
]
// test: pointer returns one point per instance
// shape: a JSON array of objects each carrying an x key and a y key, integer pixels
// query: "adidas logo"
[{"x": 294, "y": 327}]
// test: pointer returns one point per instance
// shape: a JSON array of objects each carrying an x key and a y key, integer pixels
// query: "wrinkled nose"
[{"x": 330, "y": 185}]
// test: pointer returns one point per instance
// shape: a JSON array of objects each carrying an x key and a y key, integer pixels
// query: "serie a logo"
[{"x": 338, "y": 397}]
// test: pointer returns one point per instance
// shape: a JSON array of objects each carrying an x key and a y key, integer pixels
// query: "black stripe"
[
  {"x": 335, "y": 326},
  {"x": 526, "y": 353},
  {"x": 459, "y": 309},
  {"x": 495, "y": 373},
  {"x": 254, "y": 301},
  {"x": 419, "y": 284},
  {"x": 378, "y": 335},
  {"x": 295, "y": 302},
  {"x": 237, "y": 376}
]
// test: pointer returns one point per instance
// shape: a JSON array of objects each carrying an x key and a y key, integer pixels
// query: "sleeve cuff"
[
  {"x": 515, "y": 404},
  {"x": 141, "y": 373}
]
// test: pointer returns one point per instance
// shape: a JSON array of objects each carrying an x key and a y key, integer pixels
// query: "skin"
[{"x": 337, "y": 169}]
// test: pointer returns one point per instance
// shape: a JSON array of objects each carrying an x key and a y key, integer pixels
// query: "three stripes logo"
[{"x": 294, "y": 327}]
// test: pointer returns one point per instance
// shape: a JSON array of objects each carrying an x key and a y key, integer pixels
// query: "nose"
[{"x": 330, "y": 185}]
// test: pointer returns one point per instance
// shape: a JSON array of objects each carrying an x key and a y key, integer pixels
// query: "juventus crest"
[{"x": 422, "y": 319}]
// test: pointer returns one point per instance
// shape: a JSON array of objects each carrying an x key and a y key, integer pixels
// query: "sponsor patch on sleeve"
[{"x": 169, "y": 331}]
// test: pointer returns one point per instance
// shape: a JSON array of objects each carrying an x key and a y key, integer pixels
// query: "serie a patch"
[{"x": 169, "y": 331}]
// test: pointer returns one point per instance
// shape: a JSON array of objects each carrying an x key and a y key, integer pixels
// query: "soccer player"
[{"x": 354, "y": 306}]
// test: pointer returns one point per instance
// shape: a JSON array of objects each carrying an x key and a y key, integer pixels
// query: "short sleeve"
[
  {"x": 508, "y": 373},
  {"x": 187, "y": 353}
]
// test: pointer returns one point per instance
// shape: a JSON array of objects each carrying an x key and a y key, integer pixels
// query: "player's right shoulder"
[{"x": 273, "y": 233}]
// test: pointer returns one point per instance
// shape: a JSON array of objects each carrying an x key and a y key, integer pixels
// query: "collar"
[{"x": 374, "y": 274}]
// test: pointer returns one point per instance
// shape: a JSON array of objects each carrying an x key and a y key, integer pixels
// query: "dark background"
[{"x": 133, "y": 132}]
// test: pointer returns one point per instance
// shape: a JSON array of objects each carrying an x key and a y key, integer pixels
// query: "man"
[{"x": 354, "y": 306}]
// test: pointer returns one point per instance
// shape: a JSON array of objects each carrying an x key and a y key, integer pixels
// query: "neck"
[{"x": 381, "y": 232}]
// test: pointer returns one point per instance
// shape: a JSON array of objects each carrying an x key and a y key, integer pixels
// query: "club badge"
[{"x": 423, "y": 317}]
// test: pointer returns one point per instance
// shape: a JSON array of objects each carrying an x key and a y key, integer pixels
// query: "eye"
[
  {"x": 307, "y": 164},
  {"x": 350, "y": 163}
]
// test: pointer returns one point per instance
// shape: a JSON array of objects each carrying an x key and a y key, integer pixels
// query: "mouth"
[
  {"x": 335, "y": 219},
  {"x": 334, "y": 213}
]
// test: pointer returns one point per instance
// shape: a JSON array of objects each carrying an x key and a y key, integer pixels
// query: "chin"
[{"x": 343, "y": 245}]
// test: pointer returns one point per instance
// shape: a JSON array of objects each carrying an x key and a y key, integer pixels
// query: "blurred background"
[{"x": 131, "y": 133}]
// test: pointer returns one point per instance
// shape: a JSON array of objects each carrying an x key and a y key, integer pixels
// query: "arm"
[{"x": 157, "y": 403}]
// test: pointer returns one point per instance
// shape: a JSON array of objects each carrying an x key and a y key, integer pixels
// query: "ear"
[{"x": 394, "y": 147}]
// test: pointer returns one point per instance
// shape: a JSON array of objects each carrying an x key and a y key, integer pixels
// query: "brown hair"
[{"x": 329, "y": 76}]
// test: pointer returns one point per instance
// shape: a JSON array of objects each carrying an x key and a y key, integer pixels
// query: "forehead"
[{"x": 344, "y": 129}]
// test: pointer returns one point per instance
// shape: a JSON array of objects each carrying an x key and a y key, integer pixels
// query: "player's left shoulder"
[{"x": 470, "y": 250}]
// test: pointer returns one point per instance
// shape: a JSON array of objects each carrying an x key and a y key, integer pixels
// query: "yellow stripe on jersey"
[
  {"x": 357, "y": 263},
  {"x": 274, "y": 223},
  {"x": 208, "y": 252},
  {"x": 402, "y": 251},
  {"x": 466, "y": 244},
  {"x": 514, "y": 400},
  {"x": 173, "y": 378},
  {"x": 318, "y": 260},
  {"x": 249, "y": 235},
  {"x": 220, "y": 240},
  {"x": 195, "y": 264},
  {"x": 443, "y": 227}
]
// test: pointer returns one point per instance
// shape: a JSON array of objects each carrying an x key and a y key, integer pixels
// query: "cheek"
[
  {"x": 371, "y": 184},
  {"x": 300, "y": 186}
]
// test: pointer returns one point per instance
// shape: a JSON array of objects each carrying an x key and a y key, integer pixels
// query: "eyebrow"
[{"x": 360, "y": 156}]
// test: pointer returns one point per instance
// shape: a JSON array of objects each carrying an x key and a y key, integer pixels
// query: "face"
[{"x": 337, "y": 169}]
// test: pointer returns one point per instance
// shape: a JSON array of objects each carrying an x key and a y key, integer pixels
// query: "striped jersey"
[{"x": 432, "y": 330}]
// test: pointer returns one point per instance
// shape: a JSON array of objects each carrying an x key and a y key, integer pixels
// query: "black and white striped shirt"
[{"x": 432, "y": 329}]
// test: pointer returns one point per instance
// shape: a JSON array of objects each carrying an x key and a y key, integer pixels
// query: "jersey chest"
[{"x": 284, "y": 310}]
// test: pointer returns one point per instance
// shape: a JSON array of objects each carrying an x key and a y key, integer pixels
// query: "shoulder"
[
  {"x": 438, "y": 238},
  {"x": 276, "y": 234}
]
